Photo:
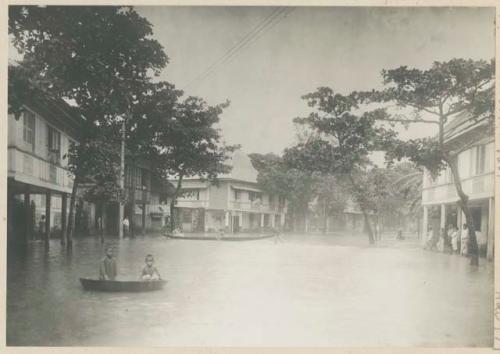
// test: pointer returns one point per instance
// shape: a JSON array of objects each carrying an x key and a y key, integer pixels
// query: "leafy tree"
[
  {"x": 277, "y": 178},
  {"x": 332, "y": 197},
  {"x": 342, "y": 142},
  {"x": 445, "y": 91},
  {"x": 97, "y": 56},
  {"x": 96, "y": 162},
  {"x": 187, "y": 143}
]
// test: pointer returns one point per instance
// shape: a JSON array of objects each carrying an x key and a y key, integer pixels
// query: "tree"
[
  {"x": 277, "y": 178},
  {"x": 96, "y": 162},
  {"x": 443, "y": 92},
  {"x": 342, "y": 141},
  {"x": 187, "y": 143},
  {"x": 97, "y": 56},
  {"x": 332, "y": 197}
]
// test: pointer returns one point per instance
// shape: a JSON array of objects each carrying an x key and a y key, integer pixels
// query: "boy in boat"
[
  {"x": 149, "y": 272},
  {"x": 107, "y": 270}
]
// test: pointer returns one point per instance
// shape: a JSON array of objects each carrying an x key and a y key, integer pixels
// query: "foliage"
[
  {"x": 277, "y": 178},
  {"x": 456, "y": 88},
  {"x": 97, "y": 159},
  {"x": 94, "y": 55}
]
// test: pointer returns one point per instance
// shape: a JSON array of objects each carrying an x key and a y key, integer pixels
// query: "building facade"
[
  {"x": 234, "y": 204},
  {"x": 39, "y": 183},
  {"x": 476, "y": 165}
]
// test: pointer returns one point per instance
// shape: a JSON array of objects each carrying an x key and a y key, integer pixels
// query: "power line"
[{"x": 269, "y": 22}]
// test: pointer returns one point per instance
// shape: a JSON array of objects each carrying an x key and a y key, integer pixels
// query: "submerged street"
[{"x": 329, "y": 290}]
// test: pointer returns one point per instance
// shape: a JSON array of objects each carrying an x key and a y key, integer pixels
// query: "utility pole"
[{"x": 122, "y": 182}]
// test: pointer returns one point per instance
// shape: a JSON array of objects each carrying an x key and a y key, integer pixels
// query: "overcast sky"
[{"x": 304, "y": 48}]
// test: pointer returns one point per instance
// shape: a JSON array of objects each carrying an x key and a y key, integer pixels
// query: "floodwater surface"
[{"x": 305, "y": 291}]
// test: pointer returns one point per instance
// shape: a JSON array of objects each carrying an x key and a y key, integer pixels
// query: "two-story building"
[
  {"x": 234, "y": 204},
  {"x": 146, "y": 207},
  {"x": 476, "y": 165},
  {"x": 39, "y": 182}
]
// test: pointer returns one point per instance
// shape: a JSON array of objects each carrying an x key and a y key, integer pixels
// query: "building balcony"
[
  {"x": 254, "y": 206},
  {"x": 193, "y": 204},
  {"x": 475, "y": 187},
  {"x": 31, "y": 169}
]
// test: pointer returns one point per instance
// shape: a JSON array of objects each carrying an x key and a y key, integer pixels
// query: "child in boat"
[
  {"x": 107, "y": 270},
  {"x": 149, "y": 272}
]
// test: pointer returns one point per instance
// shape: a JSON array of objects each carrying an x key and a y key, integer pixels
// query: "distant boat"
[{"x": 123, "y": 286}]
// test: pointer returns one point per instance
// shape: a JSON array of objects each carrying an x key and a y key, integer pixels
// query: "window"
[
  {"x": 254, "y": 196},
  {"x": 54, "y": 140},
  {"x": 480, "y": 159},
  {"x": 186, "y": 216},
  {"x": 237, "y": 195},
  {"x": 29, "y": 129},
  {"x": 138, "y": 177},
  {"x": 191, "y": 194}
]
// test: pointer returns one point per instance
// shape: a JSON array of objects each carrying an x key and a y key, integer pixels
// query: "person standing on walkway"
[
  {"x": 41, "y": 227},
  {"x": 464, "y": 237},
  {"x": 126, "y": 226},
  {"x": 100, "y": 229},
  {"x": 277, "y": 235}
]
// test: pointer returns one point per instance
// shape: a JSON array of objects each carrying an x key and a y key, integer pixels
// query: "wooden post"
[
  {"x": 48, "y": 197},
  {"x": 28, "y": 219},
  {"x": 64, "y": 222},
  {"x": 121, "y": 180},
  {"x": 425, "y": 224},
  {"x": 143, "y": 218},
  {"x": 491, "y": 229}
]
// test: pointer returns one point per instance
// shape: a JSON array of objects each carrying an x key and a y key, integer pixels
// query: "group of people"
[
  {"x": 108, "y": 268},
  {"x": 452, "y": 239}
]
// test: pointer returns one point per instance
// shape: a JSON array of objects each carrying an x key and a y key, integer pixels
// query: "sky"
[{"x": 344, "y": 48}]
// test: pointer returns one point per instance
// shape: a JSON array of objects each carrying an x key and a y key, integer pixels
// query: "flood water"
[{"x": 306, "y": 291}]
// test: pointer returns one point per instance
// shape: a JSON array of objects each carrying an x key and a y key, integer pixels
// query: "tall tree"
[
  {"x": 188, "y": 143},
  {"x": 447, "y": 90},
  {"x": 96, "y": 56},
  {"x": 342, "y": 142},
  {"x": 296, "y": 186}
]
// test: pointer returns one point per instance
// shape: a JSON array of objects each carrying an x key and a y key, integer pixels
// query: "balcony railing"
[
  {"x": 192, "y": 203},
  {"x": 20, "y": 162},
  {"x": 481, "y": 186},
  {"x": 252, "y": 206}
]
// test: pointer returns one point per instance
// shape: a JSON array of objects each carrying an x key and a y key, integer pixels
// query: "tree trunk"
[
  {"x": 174, "y": 202},
  {"x": 71, "y": 216},
  {"x": 325, "y": 220},
  {"x": 463, "y": 203},
  {"x": 359, "y": 199}
]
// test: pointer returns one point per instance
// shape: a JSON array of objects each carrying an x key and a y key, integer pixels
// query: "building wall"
[
  {"x": 476, "y": 183},
  {"x": 34, "y": 164},
  {"x": 218, "y": 195}
]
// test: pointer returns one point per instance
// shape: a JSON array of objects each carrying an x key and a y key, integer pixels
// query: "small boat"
[{"x": 122, "y": 285}]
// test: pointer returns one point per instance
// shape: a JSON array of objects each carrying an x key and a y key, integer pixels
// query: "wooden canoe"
[{"x": 124, "y": 286}]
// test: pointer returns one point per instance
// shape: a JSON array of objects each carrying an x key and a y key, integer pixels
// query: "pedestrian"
[
  {"x": 399, "y": 235},
  {"x": 464, "y": 237},
  {"x": 277, "y": 235},
  {"x": 107, "y": 269},
  {"x": 41, "y": 227},
  {"x": 126, "y": 226},
  {"x": 149, "y": 272},
  {"x": 431, "y": 241},
  {"x": 100, "y": 229},
  {"x": 454, "y": 237}
]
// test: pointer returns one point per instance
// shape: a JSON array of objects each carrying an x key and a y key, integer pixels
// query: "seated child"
[{"x": 149, "y": 272}]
